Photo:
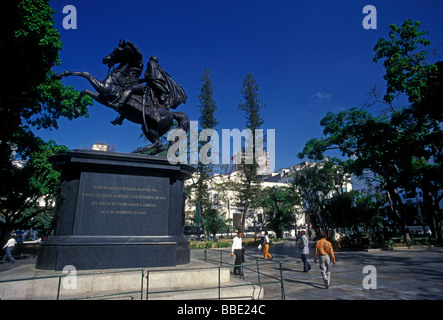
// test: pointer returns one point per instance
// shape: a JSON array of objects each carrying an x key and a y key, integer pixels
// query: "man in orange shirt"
[{"x": 323, "y": 248}]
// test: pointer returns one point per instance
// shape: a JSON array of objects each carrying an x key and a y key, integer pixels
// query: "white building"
[
  {"x": 224, "y": 197},
  {"x": 225, "y": 200}
]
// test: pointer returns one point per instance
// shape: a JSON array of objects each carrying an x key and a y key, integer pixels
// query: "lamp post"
[{"x": 198, "y": 218}]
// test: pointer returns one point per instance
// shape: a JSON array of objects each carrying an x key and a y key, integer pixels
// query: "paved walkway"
[{"x": 412, "y": 274}]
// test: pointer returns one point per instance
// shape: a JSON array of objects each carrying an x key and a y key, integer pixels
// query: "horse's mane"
[{"x": 137, "y": 53}]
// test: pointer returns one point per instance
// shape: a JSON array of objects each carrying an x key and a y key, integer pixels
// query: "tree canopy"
[
  {"x": 402, "y": 146},
  {"x": 30, "y": 99}
]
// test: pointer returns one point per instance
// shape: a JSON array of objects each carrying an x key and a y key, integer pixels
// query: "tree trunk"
[
  {"x": 432, "y": 208},
  {"x": 398, "y": 209}
]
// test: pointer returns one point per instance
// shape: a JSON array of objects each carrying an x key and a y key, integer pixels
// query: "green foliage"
[
  {"x": 248, "y": 189},
  {"x": 30, "y": 99},
  {"x": 222, "y": 244},
  {"x": 28, "y": 187},
  {"x": 278, "y": 204},
  {"x": 403, "y": 148},
  {"x": 207, "y": 105},
  {"x": 404, "y": 60},
  {"x": 315, "y": 183},
  {"x": 351, "y": 209},
  {"x": 251, "y": 103},
  {"x": 200, "y": 187},
  {"x": 214, "y": 221}
]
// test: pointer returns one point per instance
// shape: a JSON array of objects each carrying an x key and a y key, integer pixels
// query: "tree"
[
  {"x": 30, "y": 99},
  {"x": 351, "y": 210},
  {"x": 207, "y": 105},
  {"x": 369, "y": 142},
  {"x": 249, "y": 187},
  {"x": 315, "y": 184},
  {"x": 29, "y": 188},
  {"x": 251, "y": 104},
  {"x": 307, "y": 184},
  {"x": 278, "y": 204},
  {"x": 204, "y": 172},
  {"x": 409, "y": 72},
  {"x": 214, "y": 221},
  {"x": 404, "y": 146},
  {"x": 340, "y": 212}
]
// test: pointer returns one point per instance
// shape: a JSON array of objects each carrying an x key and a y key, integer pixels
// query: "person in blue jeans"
[{"x": 8, "y": 247}]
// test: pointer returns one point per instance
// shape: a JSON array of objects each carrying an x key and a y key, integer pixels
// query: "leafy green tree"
[
  {"x": 308, "y": 185},
  {"x": 409, "y": 72},
  {"x": 405, "y": 61},
  {"x": 315, "y": 184},
  {"x": 370, "y": 211},
  {"x": 403, "y": 147},
  {"x": 28, "y": 188},
  {"x": 369, "y": 142},
  {"x": 278, "y": 204},
  {"x": 215, "y": 221},
  {"x": 249, "y": 187},
  {"x": 29, "y": 99},
  {"x": 351, "y": 210}
]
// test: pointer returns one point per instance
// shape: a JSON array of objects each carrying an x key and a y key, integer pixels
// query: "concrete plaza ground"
[
  {"x": 406, "y": 274},
  {"x": 401, "y": 274}
]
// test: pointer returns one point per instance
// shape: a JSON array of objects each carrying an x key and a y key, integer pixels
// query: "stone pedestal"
[{"x": 117, "y": 210}]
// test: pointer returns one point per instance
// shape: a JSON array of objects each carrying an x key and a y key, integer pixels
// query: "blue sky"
[{"x": 308, "y": 58}]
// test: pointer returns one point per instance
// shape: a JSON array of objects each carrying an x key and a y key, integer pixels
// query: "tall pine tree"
[
  {"x": 249, "y": 187},
  {"x": 204, "y": 172}
]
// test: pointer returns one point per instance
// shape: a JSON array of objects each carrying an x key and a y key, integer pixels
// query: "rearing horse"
[{"x": 136, "y": 109}]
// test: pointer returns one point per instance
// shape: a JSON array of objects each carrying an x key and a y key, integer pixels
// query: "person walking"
[
  {"x": 237, "y": 251},
  {"x": 323, "y": 249},
  {"x": 304, "y": 251},
  {"x": 8, "y": 247},
  {"x": 266, "y": 253}
]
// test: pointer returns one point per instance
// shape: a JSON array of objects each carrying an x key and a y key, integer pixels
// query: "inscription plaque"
[{"x": 131, "y": 202}]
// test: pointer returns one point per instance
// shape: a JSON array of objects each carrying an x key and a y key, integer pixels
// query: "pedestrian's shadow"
[{"x": 315, "y": 285}]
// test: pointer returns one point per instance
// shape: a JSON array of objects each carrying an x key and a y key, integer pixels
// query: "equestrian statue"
[{"x": 146, "y": 104}]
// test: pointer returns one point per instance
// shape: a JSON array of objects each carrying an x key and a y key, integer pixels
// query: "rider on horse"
[
  {"x": 149, "y": 106},
  {"x": 160, "y": 88}
]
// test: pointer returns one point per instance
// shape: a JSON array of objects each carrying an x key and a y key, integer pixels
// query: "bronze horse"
[{"x": 139, "y": 106}]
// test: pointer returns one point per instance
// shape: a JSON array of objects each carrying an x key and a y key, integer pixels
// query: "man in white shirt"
[
  {"x": 9, "y": 246},
  {"x": 304, "y": 251},
  {"x": 237, "y": 251},
  {"x": 266, "y": 242}
]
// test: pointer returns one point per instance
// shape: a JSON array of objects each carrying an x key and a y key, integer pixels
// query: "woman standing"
[{"x": 266, "y": 247}]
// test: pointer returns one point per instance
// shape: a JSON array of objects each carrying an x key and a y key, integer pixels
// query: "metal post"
[
  {"x": 258, "y": 271},
  {"x": 147, "y": 284},
  {"x": 198, "y": 218},
  {"x": 282, "y": 286},
  {"x": 219, "y": 284},
  {"x": 141, "y": 286},
  {"x": 58, "y": 289}
]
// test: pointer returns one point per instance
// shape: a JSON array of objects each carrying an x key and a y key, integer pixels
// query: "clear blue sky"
[{"x": 308, "y": 58}]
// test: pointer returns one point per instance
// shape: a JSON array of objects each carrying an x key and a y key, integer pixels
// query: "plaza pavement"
[
  {"x": 401, "y": 274},
  {"x": 406, "y": 274}
]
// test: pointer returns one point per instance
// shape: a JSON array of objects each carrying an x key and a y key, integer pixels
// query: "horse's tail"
[{"x": 182, "y": 119}]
